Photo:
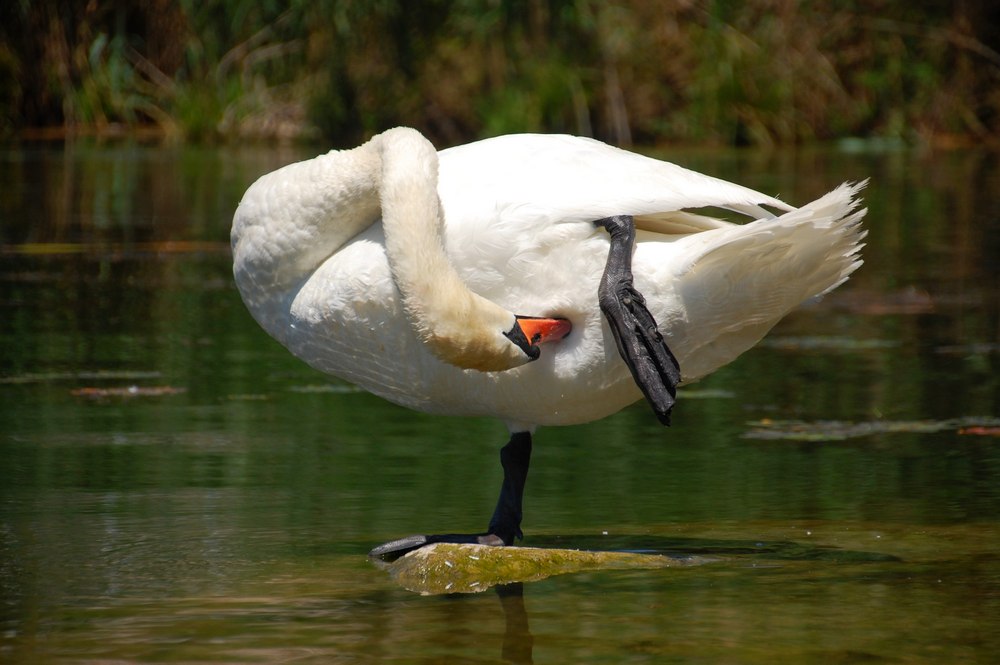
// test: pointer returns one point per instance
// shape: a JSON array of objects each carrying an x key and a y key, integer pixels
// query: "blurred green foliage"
[{"x": 635, "y": 71}]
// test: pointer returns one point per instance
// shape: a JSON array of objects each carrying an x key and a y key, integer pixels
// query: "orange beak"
[{"x": 540, "y": 330}]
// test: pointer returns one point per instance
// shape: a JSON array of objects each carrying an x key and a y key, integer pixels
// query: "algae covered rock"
[{"x": 453, "y": 568}]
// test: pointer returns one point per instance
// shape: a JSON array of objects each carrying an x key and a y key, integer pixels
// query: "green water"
[{"x": 175, "y": 487}]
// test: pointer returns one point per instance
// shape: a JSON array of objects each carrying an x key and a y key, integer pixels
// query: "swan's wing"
[{"x": 571, "y": 179}]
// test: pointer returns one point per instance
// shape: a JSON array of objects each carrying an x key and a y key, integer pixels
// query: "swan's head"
[
  {"x": 530, "y": 331},
  {"x": 493, "y": 344}
]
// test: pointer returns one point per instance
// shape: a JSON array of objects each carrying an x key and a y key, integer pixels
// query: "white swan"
[{"x": 400, "y": 269}]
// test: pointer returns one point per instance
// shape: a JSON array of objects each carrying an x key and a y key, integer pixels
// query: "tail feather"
[{"x": 745, "y": 278}]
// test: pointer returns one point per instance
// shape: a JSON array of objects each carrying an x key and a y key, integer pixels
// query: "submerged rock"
[{"x": 453, "y": 568}]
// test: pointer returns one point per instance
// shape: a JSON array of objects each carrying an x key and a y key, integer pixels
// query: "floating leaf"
[
  {"x": 980, "y": 430},
  {"x": 705, "y": 393},
  {"x": 975, "y": 349},
  {"x": 98, "y": 375},
  {"x": 334, "y": 388},
  {"x": 115, "y": 249},
  {"x": 838, "y": 430},
  {"x": 877, "y": 303},
  {"x": 126, "y": 391},
  {"x": 825, "y": 343}
]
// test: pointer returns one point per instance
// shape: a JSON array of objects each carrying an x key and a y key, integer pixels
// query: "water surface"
[{"x": 177, "y": 488}]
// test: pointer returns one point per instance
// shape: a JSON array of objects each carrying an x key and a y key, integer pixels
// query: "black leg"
[
  {"x": 514, "y": 457},
  {"x": 639, "y": 342},
  {"x": 505, "y": 525}
]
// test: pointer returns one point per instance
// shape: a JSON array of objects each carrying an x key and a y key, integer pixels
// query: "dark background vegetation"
[{"x": 727, "y": 72}]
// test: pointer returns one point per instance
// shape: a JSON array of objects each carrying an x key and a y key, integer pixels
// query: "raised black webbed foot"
[
  {"x": 505, "y": 525},
  {"x": 639, "y": 342}
]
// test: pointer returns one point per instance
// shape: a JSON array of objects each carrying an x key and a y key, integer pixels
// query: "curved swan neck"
[
  {"x": 459, "y": 326},
  {"x": 293, "y": 219}
]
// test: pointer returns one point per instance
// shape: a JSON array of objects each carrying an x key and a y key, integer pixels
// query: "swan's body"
[{"x": 311, "y": 263}]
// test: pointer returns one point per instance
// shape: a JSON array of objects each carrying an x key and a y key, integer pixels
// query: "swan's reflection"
[{"x": 518, "y": 642}]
